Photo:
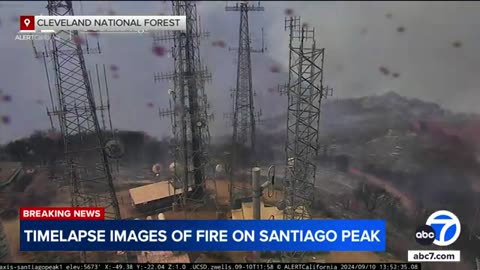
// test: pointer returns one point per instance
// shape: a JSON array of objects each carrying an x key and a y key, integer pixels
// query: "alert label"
[{"x": 62, "y": 213}]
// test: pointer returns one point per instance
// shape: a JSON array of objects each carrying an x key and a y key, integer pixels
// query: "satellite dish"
[
  {"x": 157, "y": 168},
  {"x": 172, "y": 167},
  {"x": 114, "y": 149},
  {"x": 291, "y": 162},
  {"x": 219, "y": 168}
]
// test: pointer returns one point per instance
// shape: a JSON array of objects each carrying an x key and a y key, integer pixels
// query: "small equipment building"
[{"x": 154, "y": 196}]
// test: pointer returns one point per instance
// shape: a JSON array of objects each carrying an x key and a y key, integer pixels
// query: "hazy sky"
[{"x": 359, "y": 37}]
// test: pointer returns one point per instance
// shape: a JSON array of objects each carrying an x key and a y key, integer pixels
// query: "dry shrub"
[{"x": 39, "y": 192}]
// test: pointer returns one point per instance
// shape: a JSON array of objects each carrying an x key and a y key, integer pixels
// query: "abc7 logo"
[
  {"x": 442, "y": 229},
  {"x": 425, "y": 235}
]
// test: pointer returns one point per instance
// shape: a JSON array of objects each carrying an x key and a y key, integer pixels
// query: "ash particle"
[
  {"x": 275, "y": 69},
  {"x": 457, "y": 44},
  {"x": 289, "y": 12},
  {"x": 78, "y": 40},
  {"x": 219, "y": 43},
  {"x": 6, "y": 98},
  {"x": 384, "y": 70},
  {"x": 159, "y": 51},
  {"x": 6, "y": 119}
]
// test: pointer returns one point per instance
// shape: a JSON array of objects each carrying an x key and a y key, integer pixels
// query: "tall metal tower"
[
  {"x": 86, "y": 161},
  {"x": 305, "y": 92},
  {"x": 243, "y": 116},
  {"x": 189, "y": 110},
  {"x": 243, "y": 112}
]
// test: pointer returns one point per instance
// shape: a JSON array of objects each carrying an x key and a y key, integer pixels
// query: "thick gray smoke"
[{"x": 429, "y": 50}]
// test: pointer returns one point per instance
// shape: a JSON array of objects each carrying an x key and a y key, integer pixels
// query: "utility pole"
[
  {"x": 305, "y": 91},
  {"x": 189, "y": 114},
  {"x": 86, "y": 161},
  {"x": 257, "y": 194},
  {"x": 243, "y": 116}
]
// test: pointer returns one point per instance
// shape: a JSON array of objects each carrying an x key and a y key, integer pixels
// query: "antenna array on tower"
[
  {"x": 305, "y": 91},
  {"x": 86, "y": 163},
  {"x": 243, "y": 117},
  {"x": 188, "y": 108}
]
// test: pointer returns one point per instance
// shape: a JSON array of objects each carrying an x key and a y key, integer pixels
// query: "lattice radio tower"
[
  {"x": 85, "y": 158},
  {"x": 244, "y": 112},
  {"x": 189, "y": 107},
  {"x": 305, "y": 91},
  {"x": 243, "y": 116}
]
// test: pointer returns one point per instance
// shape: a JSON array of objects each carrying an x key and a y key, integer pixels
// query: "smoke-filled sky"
[{"x": 429, "y": 50}]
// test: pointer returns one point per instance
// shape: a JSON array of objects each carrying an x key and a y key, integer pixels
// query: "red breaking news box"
[
  {"x": 62, "y": 213},
  {"x": 27, "y": 23}
]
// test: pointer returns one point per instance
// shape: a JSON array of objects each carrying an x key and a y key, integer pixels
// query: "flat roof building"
[{"x": 151, "y": 196}]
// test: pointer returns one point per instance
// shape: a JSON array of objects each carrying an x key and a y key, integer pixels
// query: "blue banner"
[{"x": 204, "y": 235}]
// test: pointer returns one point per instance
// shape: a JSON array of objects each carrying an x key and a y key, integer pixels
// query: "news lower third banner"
[{"x": 203, "y": 235}]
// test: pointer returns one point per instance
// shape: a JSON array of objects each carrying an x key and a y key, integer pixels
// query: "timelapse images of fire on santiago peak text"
[{"x": 240, "y": 132}]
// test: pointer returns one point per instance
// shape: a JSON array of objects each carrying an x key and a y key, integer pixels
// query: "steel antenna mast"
[
  {"x": 190, "y": 117},
  {"x": 243, "y": 117},
  {"x": 305, "y": 91},
  {"x": 86, "y": 162}
]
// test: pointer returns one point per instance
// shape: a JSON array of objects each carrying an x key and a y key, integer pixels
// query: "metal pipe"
[{"x": 257, "y": 192}]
